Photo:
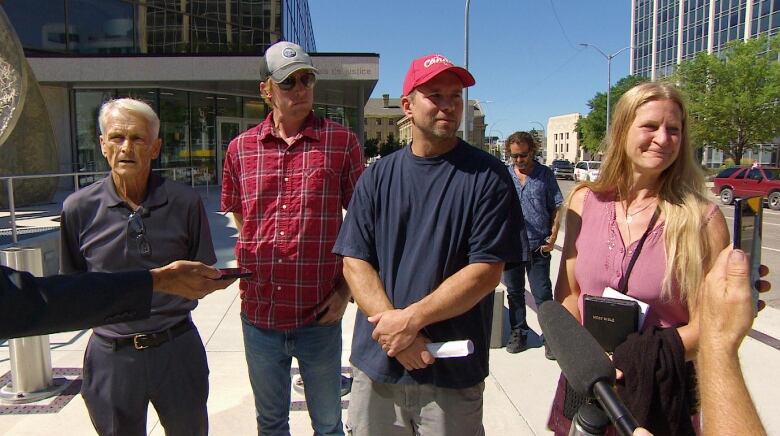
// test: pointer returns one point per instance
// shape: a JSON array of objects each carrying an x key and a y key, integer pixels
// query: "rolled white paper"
[{"x": 441, "y": 350}]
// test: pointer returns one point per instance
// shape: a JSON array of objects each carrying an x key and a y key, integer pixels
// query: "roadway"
[{"x": 770, "y": 247}]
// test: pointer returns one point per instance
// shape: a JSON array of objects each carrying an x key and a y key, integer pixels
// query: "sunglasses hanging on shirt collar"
[{"x": 138, "y": 232}]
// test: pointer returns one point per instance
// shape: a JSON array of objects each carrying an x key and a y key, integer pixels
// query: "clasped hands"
[{"x": 399, "y": 337}]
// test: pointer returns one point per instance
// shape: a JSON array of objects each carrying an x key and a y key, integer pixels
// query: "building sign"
[{"x": 343, "y": 68}]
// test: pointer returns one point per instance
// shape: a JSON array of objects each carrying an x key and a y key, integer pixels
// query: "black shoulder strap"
[{"x": 623, "y": 285}]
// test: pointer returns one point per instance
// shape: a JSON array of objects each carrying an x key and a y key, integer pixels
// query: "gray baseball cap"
[{"x": 283, "y": 59}]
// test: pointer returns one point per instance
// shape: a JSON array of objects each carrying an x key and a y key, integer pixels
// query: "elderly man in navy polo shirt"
[
  {"x": 134, "y": 219},
  {"x": 541, "y": 199},
  {"x": 425, "y": 240}
]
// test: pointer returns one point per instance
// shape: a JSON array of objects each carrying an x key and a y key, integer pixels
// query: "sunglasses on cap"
[{"x": 307, "y": 80}]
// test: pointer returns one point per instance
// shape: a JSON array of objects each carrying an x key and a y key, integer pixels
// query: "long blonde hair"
[{"x": 681, "y": 195}]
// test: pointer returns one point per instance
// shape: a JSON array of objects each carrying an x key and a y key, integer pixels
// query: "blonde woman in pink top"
[{"x": 649, "y": 164}]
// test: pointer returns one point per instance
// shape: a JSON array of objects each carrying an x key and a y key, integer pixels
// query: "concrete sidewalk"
[{"x": 518, "y": 391}]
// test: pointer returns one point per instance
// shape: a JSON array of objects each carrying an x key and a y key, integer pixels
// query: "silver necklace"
[{"x": 630, "y": 216}]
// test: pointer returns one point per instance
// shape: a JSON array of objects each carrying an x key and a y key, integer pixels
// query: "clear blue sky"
[{"x": 524, "y": 54}]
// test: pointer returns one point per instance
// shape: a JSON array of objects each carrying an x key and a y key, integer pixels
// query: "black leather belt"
[{"x": 149, "y": 340}]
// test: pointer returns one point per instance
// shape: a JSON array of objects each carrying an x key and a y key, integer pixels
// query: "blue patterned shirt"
[{"x": 539, "y": 198}]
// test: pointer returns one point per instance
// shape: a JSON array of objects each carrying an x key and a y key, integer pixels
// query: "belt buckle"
[{"x": 137, "y": 342}]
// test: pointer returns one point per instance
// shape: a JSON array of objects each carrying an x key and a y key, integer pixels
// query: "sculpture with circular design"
[
  {"x": 27, "y": 144},
  {"x": 12, "y": 83}
]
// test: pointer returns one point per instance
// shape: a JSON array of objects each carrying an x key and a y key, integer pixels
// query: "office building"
[
  {"x": 667, "y": 32},
  {"x": 381, "y": 117},
  {"x": 195, "y": 61},
  {"x": 563, "y": 142}
]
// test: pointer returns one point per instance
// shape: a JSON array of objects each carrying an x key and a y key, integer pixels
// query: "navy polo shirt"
[
  {"x": 95, "y": 236},
  {"x": 418, "y": 221}
]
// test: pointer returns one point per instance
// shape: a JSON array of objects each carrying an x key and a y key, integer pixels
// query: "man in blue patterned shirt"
[{"x": 540, "y": 199}]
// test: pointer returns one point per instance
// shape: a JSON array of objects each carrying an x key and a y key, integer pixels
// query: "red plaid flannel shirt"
[{"x": 291, "y": 198}]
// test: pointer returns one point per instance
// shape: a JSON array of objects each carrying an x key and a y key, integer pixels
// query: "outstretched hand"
[{"x": 191, "y": 280}]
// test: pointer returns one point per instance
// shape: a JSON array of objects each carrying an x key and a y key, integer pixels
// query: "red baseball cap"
[{"x": 427, "y": 67}]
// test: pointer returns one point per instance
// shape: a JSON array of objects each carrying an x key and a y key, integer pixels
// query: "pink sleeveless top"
[{"x": 602, "y": 258}]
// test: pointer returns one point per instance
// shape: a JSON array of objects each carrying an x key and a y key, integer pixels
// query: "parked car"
[
  {"x": 563, "y": 169},
  {"x": 586, "y": 170},
  {"x": 743, "y": 182}
]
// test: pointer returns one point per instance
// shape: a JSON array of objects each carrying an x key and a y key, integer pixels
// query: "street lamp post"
[
  {"x": 609, "y": 74},
  {"x": 466, "y": 66}
]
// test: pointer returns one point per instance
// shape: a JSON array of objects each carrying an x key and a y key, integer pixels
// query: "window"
[
  {"x": 379, "y": 136},
  {"x": 755, "y": 174},
  {"x": 378, "y": 121}
]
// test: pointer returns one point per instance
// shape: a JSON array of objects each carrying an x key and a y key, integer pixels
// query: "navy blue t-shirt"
[{"x": 418, "y": 221}]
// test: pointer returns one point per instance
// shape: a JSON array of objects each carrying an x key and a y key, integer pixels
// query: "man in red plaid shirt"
[{"x": 286, "y": 182}]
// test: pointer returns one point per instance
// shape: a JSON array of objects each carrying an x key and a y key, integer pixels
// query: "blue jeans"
[
  {"x": 538, "y": 269},
  {"x": 269, "y": 355}
]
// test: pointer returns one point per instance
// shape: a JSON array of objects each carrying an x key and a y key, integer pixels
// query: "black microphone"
[{"x": 584, "y": 363}]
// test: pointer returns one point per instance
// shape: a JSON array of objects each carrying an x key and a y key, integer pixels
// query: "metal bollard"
[
  {"x": 497, "y": 328},
  {"x": 31, "y": 373}
]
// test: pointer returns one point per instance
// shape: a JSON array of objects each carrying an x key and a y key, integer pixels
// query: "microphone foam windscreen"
[{"x": 577, "y": 352}]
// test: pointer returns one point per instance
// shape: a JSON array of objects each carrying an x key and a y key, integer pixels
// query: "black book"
[{"x": 610, "y": 320}]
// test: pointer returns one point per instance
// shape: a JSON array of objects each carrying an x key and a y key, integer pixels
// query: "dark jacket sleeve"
[{"x": 34, "y": 306}]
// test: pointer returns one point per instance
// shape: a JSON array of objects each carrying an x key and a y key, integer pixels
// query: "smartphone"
[
  {"x": 234, "y": 273},
  {"x": 748, "y": 216}
]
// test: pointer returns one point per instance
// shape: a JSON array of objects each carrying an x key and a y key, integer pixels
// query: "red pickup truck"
[{"x": 749, "y": 181}]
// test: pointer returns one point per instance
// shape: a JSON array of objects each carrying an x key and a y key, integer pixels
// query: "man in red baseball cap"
[
  {"x": 425, "y": 240},
  {"x": 427, "y": 67}
]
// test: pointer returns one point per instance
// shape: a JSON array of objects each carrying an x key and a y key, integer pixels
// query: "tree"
[
  {"x": 734, "y": 97},
  {"x": 592, "y": 127},
  {"x": 538, "y": 136},
  {"x": 370, "y": 148},
  {"x": 389, "y": 146}
]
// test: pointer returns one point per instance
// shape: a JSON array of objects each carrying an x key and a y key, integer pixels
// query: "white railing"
[{"x": 9, "y": 180}]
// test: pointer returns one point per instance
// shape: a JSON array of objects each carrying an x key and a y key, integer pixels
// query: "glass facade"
[
  {"x": 195, "y": 128},
  {"x": 188, "y": 128},
  {"x": 765, "y": 17},
  {"x": 666, "y": 50},
  {"x": 728, "y": 19},
  {"x": 695, "y": 25},
  {"x": 195, "y": 125},
  {"x": 643, "y": 37},
  {"x": 110, "y": 27}
]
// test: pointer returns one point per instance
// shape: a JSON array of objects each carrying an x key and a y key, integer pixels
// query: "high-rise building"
[
  {"x": 195, "y": 61},
  {"x": 666, "y": 32}
]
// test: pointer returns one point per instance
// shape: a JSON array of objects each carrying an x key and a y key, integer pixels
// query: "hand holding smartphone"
[
  {"x": 748, "y": 216},
  {"x": 234, "y": 273}
]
